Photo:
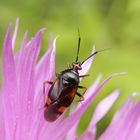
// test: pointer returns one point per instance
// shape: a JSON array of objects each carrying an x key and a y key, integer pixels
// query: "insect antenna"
[
  {"x": 79, "y": 41},
  {"x": 95, "y": 54}
]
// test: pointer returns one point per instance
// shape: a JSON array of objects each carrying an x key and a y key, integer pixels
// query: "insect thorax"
[{"x": 70, "y": 76}]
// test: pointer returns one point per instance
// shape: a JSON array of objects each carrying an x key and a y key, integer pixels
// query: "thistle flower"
[{"x": 21, "y": 94}]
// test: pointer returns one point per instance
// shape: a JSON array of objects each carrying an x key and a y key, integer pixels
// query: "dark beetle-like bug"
[{"x": 64, "y": 89}]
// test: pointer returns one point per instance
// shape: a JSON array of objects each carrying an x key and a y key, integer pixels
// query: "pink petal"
[
  {"x": 44, "y": 71},
  {"x": 72, "y": 134},
  {"x": 49, "y": 128},
  {"x": 15, "y": 33},
  {"x": 22, "y": 45},
  {"x": 111, "y": 133},
  {"x": 18, "y": 57},
  {"x": 104, "y": 106},
  {"x": 2, "y": 130},
  {"x": 45, "y": 67},
  {"x": 130, "y": 123},
  {"x": 9, "y": 87},
  {"x": 134, "y": 127},
  {"x": 86, "y": 66},
  {"x": 101, "y": 110},
  {"x": 65, "y": 126},
  {"x": 26, "y": 68}
]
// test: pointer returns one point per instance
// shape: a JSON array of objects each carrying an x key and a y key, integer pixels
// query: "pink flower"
[{"x": 21, "y": 97}]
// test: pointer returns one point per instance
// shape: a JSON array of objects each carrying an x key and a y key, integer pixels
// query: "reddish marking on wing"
[
  {"x": 61, "y": 109},
  {"x": 72, "y": 92}
]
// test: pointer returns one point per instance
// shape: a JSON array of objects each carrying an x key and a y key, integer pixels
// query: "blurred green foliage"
[{"x": 107, "y": 23}]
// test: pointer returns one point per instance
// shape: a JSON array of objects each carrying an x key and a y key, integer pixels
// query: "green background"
[{"x": 106, "y": 23}]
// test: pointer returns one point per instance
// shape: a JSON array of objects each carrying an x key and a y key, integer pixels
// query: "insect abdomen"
[{"x": 53, "y": 111}]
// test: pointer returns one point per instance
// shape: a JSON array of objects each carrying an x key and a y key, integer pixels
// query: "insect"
[{"x": 64, "y": 88}]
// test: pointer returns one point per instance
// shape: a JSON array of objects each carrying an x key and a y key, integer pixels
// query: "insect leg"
[
  {"x": 83, "y": 88},
  {"x": 83, "y": 75},
  {"x": 81, "y": 97},
  {"x": 44, "y": 83}
]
